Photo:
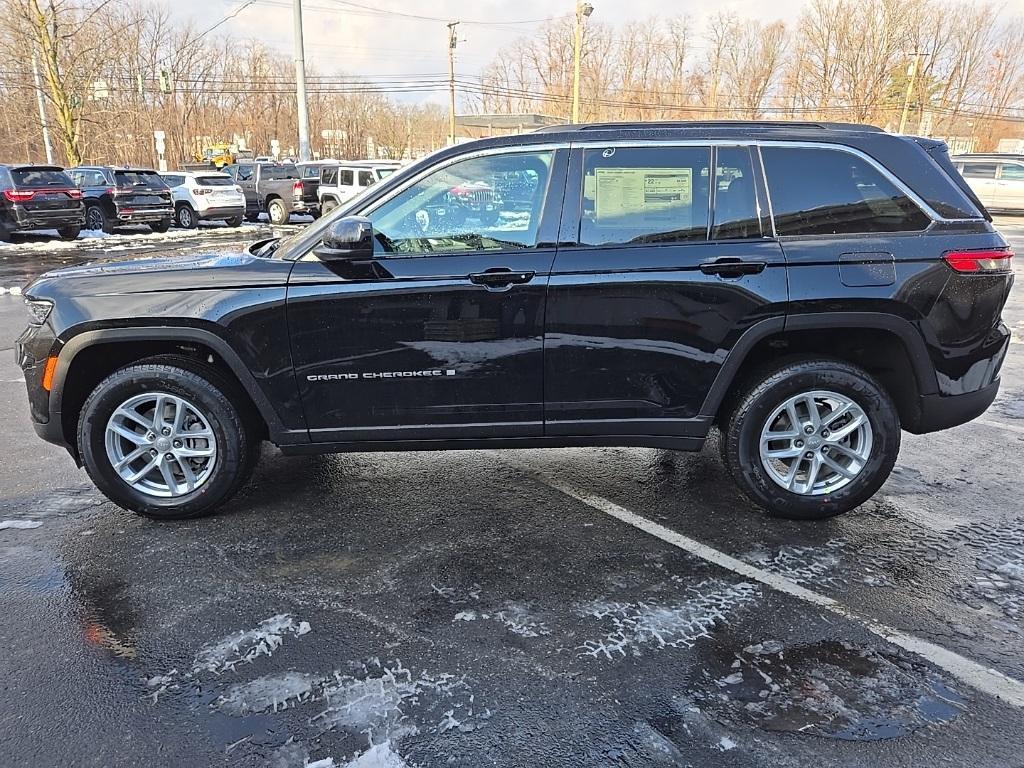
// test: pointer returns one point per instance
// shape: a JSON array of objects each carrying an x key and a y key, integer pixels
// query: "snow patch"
[
  {"x": 377, "y": 756},
  {"x": 247, "y": 645},
  {"x": 21, "y": 525},
  {"x": 725, "y": 744}
]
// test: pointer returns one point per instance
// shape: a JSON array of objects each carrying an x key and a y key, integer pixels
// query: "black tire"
[
  {"x": 96, "y": 219},
  {"x": 234, "y": 221},
  {"x": 767, "y": 390},
  {"x": 5, "y": 235},
  {"x": 315, "y": 213},
  {"x": 185, "y": 216},
  {"x": 277, "y": 212},
  {"x": 160, "y": 226},
  {"x": 70, "y": 232},
  {"x": 328, "y": 205},
  {"x": 221, "y": 403},
  {"x": 251, "y": 217}
]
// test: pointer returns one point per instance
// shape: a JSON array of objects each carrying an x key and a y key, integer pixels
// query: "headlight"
[{"x": 38, "y": 310}]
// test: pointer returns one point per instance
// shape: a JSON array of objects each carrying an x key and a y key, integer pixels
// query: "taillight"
[
  {"x": 19, "y": 195},
  {"x": 74, "y": 194},
  {"x": 297, "y": 189},
  {"x": 980, "y": 262}
]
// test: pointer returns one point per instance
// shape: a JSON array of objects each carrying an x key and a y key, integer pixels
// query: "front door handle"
[
  {"x": 730, "y": 266},
  {"x": 500, "y": 277}
]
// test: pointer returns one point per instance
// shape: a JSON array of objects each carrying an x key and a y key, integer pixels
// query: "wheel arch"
[
  {"x": 899, "y": 356},
  {"x": 87, "y": 358}
]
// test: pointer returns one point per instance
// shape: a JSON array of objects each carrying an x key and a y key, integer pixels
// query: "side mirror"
[{"x": 348, "y": 239}]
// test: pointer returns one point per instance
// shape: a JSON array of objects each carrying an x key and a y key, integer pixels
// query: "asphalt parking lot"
[{"x": 585, "y": 607}]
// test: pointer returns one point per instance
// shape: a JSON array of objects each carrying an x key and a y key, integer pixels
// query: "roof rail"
[{"x": 684, "y": 124}]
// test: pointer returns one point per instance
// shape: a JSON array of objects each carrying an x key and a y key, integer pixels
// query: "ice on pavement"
[
  {"x": 377, "y": 756},
  {"x": 269, "y": 693},
  {"x": 19, "y": 524},
  {"x": 245, "y": 646}
]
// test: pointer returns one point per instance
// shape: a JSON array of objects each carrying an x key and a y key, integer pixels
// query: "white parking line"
[
  {"x": 1001, "y": 425},
  {"x": 978, "y": 676}
]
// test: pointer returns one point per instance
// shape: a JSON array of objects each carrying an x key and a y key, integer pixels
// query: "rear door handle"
[
  {"x": 500, "y": 277},
  {"x": 730, "y": 266}
]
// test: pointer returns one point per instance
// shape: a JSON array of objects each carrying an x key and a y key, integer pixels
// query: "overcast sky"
[{"x": 368, "y": 41}]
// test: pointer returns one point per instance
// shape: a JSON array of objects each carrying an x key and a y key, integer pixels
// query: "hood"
[{"x": 155, "y": 275}]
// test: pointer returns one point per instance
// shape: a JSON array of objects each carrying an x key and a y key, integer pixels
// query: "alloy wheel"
[
  {"x": 161, "y": 444},
  {"x": 816, "y": 442}
]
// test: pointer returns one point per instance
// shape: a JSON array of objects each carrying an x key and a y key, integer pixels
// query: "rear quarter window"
[{"x": 832, "y": 192}]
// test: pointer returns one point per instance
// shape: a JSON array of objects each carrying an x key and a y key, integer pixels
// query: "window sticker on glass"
[{"x": 653, "y": 193}]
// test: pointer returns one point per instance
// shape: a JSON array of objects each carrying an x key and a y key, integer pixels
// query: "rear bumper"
[
  {"x": 67, "y": 217},
  {"x": 937, "y": 412},
  {"x": 220, "y": 212},
  {"x": 145, "y": 215}
]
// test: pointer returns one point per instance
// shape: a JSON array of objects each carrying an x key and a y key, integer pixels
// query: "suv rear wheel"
[
  {"x": 97, "y": 220},
  {"x": 167, "y": 438},
  {"x": 277, "y": 212},
  {"x": 160, "y": 226},
  {"x": 811, "y": 438},
  {"x": 185, "y": 217},
  {"x": 70, "y": 232}
]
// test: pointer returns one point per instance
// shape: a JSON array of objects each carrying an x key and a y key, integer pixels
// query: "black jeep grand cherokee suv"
[{"x": 809, "y": 289}]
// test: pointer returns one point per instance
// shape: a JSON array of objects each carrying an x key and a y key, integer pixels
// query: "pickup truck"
[{"x": 276, "y": 188}]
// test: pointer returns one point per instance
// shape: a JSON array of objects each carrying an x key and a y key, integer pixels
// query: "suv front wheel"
[
  {"x": 167, "y": 438},
  {"x": 810, "y": 439}
]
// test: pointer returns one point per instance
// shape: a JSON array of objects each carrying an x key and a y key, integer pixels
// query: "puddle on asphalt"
[{"x": 829, "y": 689}]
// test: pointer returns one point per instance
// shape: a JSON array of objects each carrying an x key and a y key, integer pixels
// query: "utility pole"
[
  {"x": 452, "y": 42},
  {"x": 42, "y": 110},
  {"x": 300, "y": 84},
  {"x": 583, "y": 10},
  {"x": 912, "y": 77}
]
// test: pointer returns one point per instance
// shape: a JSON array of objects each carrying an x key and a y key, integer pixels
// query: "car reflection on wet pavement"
[{"x": 584, "y": 607}]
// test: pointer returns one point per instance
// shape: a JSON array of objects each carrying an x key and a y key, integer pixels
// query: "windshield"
[
  {"x": 138, "y": 179},
  {"x": 215, "y": 181},
  {"x": 279, "y": 172},
  {"x": 36, "y": 177}
]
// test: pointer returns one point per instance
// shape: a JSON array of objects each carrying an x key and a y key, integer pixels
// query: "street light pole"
[
  {"x": 300, "y": 84},
  {"x": 452, "y": 42},
  {"x": 583, "y": 10},
  {"x": 910, "y": 88},
  {"x": 42, "y": 110}
]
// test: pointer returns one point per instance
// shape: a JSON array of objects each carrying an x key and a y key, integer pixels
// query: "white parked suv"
[
  {"x": 205, "y": 196},
  {"x": 998, "y": 180},
  {"x": 340, "y": 181}
]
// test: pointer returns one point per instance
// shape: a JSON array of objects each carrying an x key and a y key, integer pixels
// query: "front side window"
[
  {"x": 1012, "y": 172},
  {"x": 459, "y": 208},
  {"x": 980, "y": 170},
  {"x": 329, "y": 176},
  {"x": 634, "y": 195},
  {"x": 345, "y": 178},
  {"x": 366, "y": 178},
  {"x": 830, "y": 192}
]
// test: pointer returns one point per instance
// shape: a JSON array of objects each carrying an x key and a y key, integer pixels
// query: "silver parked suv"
[{"x": 998, "y": 180}]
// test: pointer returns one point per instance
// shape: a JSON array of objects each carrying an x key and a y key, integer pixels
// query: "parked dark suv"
[
  {"x": 808, "y": 289},
  {"x": 115, "y": 197},
  {"x": 39, "y": 197}
]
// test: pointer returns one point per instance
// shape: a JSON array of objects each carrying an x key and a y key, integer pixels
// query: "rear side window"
[
  {"x": 736, "y": 213},
  {"x": 980, "y": 170},
  {"x": 634, "y": 195},
  {"x": 33, "y": 177},
  {"x": 832, "y": 192},
  {"x": 310, "y": 171},
  {"x": 366, "y": 178},
  {"x": 215, "y": 181},
  {"x": 174, "y": 181},
  {"x": 1012, "y": 172}
]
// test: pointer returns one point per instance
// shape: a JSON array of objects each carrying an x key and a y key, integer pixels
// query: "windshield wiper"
[{"x": 267, "y": 249}]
